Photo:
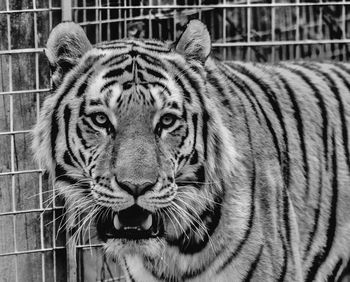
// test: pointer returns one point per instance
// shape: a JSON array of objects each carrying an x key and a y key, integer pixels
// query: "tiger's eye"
[
  {"x": 100, "y": 119},
  {"x": 168, "y": 120}
]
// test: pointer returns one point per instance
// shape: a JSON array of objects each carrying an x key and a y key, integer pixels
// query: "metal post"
[{"x": 66, "y": 10}]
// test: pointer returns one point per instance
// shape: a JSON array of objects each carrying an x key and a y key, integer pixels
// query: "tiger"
[{"x": 197, "y": 169}]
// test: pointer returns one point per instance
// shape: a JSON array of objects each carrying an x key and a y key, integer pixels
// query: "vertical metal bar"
[
  {"x": 42, "y": 244},
  {"x": 125, "y": 22},
  {"x": 50, "y": 14},
  {"x": 119, "y": 22},
  {"x": 174, "y": 21},
  {"x": 53, "y": 204},
  {"x": 150, "y": 20},
  {"x": 84, "y": 11},
  {"x": 224, "y": 30},
  {"x": 297, "y": 34},
  {"x": 249, "y": 14},
  {"x": 36, "y": 39},
  {"x": 108, "y": 19},
  {"x": 273, "y": 28},
  {"x": 130, "y": 16},
  {"x": 12, "y": 149},
  {"x": 343, "y": 23},
  {"x": 66, "y": 7},
  {"x": 97, "y": 25},
  {"x": 320, "y": 23}
]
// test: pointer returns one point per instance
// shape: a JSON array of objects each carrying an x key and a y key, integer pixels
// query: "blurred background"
[{"x": 35, "y": 244}]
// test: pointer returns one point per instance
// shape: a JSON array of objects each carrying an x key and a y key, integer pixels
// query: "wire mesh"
[
  {"x": 33, "y": 244},
  {"x": 30, "y": 248}
]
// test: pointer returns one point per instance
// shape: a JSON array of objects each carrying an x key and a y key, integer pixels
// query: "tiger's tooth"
[
  {"x": 147, "y": 223},
  {"x": 116, "y": 222}
]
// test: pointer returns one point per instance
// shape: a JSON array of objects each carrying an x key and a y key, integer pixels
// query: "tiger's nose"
[{"x": 135, "y": 189}]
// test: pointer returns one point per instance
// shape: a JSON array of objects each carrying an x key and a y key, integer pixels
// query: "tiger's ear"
[
  {"x": 67, "y": 43},
  {"x": 194, "y": 42}
]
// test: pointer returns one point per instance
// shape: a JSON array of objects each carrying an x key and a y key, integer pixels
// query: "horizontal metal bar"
[
  {"x": 15, "y": 132},
  {"x": 89, "y": 246},
  {"x": 121, "y": 278},
  {"x": 31, "y": 251},
  {"x": 217, "y": 6},
  {"x": 30, "y": 211},
  {"x": 30, "y": 10},
  {"x": 21, "y": 172},
  {"x": 26, "y": 91},
  {"x": 21, "y": 51},
  {"x": 276, "y": 43}
]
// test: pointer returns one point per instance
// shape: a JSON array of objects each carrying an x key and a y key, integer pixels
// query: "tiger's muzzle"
[
  {"x": 134, "y": 223},
  {"x": 135, "y": 171}
]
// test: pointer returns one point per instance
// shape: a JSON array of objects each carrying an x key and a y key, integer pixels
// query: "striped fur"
[{"x": 253, "y": 178}]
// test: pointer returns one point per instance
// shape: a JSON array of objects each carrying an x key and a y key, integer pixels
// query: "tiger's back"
[
  {"x": 298, "y": 113},
  {"x": 199, "y": 170}
]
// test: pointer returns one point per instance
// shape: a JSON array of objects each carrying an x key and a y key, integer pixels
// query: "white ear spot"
[{"x": 195, "y": 42}]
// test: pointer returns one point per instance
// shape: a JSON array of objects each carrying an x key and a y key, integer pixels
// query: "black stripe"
[
  {"x": 342, "y": 67},
  {"x": 151, "y": 60},
  {"x": 252, "y": 200},
  {"x": 215, "y": 81},
  {"x": 285, "y": 259},
  {"x": 322, "y": 255},
  {"x": 188, "y": 243},
  {"x": 128, "y": 272},
  {"x": 66, "y": 117},
  {"x": 115, "y": 60},
  {"x": 273, "y": 101},
  {"x": 67, "y": 159},
  {"x": 83, "y": 86},
  {"x": 342, "y": 115},
  {"x": 333, "y": 276},
  {"x": 205, "y": 120},
  {"x": 334, "y": 89},
  {"x": 194, "y": 153},
  {"x": 241, "y": 86},
  {"x": 62, "y": 175},
  {"x": 68, "y": 86},
  {"x": 114, "y": 73},
  {"x": 270, "y": 127},
  {"x": 82, "y": 157},
  {"x": 300, "y": 128},
  {"x": 82, "y": 107},
  {"x": 81, "y": 138},
  {"x": 316, "y": 216},
  {"x": 157, "y": 50},
  {"x": 321, "y": 105},
  {"x": 186, "y": 93},
  {"x": 155, "y": 73},
  {"x": 253, "y": 266},
  {"x": 182, "y": 77}
]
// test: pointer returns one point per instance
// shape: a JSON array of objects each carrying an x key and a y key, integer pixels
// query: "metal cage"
[{"x": 35, "y": 244}]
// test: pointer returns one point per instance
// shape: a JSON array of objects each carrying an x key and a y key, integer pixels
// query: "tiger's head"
[{"x": 132, "y": 140}]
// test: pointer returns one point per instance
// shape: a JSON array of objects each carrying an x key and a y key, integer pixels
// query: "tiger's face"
[
  {"x": 139, "y": 140},
  {"x": 128, "y": 139}
]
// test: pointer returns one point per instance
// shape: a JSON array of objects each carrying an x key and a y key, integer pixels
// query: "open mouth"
[{"x": 133, "y": 223}]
